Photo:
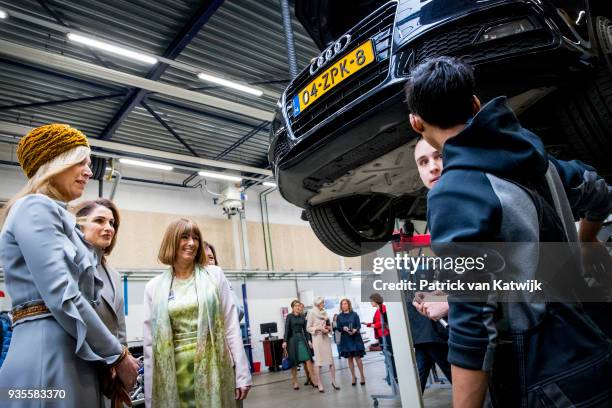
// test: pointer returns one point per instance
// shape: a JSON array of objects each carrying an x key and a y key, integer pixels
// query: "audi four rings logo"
[{"x": 329, "y": 54}]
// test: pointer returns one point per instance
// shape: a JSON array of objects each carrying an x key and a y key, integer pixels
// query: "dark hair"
[
  {"x": 212, "y": 249},
  {"x": 376, "y": 298},
  {"x": 440, "y": 90},
  {"x": 86, "y": 207}
]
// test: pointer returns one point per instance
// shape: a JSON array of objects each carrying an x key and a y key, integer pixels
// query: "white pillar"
[
  {"x": 403, "y": 349},
  {"x": 236, "y": 240}
]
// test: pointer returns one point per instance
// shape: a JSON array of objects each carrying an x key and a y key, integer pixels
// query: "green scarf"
[{"x": 214, "y": 378}]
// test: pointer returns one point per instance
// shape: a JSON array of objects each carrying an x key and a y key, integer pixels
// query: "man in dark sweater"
[
  {"x": 549, "y": 354},
  {"x": 429, "y": 337}
]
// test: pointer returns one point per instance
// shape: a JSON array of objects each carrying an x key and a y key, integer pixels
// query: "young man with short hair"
[
  {"x": 429, "y": 165},
  {"x": 490, "y": 164},
  {"x": 430, "y": 339}
]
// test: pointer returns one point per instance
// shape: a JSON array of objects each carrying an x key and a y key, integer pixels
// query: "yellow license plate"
[{"x": 332, "y": 76}]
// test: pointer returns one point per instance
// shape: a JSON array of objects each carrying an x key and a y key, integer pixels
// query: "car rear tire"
[
  {"x": 337, "y": 228},
  {"x": 586, "y": 119},
  {"x": 585, "y": 114}
]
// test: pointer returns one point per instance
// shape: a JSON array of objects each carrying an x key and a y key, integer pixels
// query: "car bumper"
[{"x": 375, "y": 122}]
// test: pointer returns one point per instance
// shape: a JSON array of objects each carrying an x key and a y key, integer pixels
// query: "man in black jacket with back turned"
[{"x": 545, "y": 354}]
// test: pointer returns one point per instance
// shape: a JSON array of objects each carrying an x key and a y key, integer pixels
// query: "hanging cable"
[{"x": 286, "y": 11}]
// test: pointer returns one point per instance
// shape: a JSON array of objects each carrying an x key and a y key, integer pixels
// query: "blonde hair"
[
  {"x": 350, "y": 305},
  {"x": 172, "y": 239},
  {"x": 40, "y": 183},
  {"x": 318, "y": 300}
]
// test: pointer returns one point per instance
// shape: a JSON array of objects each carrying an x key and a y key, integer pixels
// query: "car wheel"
[
  {"x": 585, "y": 112},
  {"x": 585, "y": 116},
  {"x": 603, "y": 31},
  {"x": 344, "y": 228}
]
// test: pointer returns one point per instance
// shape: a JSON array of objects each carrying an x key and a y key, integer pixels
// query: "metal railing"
[{"x": 146, "y": 274}]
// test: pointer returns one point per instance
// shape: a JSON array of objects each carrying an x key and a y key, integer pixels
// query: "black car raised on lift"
[{"x": 341, "y": 147}]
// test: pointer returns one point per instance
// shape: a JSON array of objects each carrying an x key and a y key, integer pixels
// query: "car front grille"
[
  {"x": 459, "y": 39},
  {"x": 281, "y": 147},
  {"x": 379, "y": 28}
]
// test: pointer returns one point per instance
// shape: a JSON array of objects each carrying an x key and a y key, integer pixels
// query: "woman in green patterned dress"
[{"x": 194, "y": 356}]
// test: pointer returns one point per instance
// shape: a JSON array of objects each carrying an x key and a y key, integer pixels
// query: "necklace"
[{"x": 192, "y": 277}]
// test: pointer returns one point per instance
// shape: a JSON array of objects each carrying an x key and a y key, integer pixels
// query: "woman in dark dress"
[
  {"x": 351, "y": 344},
  {"x": 296, "y": 342}
]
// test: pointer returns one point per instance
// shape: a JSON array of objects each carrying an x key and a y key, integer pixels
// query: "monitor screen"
[{"x": 268, "y": 328}]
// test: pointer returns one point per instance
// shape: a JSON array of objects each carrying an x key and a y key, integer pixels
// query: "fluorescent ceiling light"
[
  {"x": 269, "y": 184},
  {"x": 112, "y": 48},
  {"x": 230, "y": 84},
  {"x": 141, "y": 163},
  {"x": 220, "y": 176},
  {"x": 3, "y": 14}
]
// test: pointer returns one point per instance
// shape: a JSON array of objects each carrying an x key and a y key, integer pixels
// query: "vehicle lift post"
[{"x": 407, "y": 388}]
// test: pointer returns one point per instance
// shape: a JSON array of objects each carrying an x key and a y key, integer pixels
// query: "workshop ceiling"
[{"x": 241, "y": 40}]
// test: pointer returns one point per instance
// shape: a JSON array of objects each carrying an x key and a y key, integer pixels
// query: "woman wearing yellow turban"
[{"x": 58, "y": 342}]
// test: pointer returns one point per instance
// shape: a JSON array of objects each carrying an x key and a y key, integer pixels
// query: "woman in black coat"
[{"x": 296, "y": 342}]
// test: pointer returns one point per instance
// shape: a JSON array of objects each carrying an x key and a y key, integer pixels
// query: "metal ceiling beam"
[
  {"x": 16, "y": 130},
  {"x": 266, "y": 82},
  {"x": 169, "y": 129},
  {"x": 243, "y": 139},
  {"x": 61, "y": 101},
  {"x": 182, "y": 39},
  {"x": 173, "y": 63},
  {"x": 82, "y": 68},
  {"x": 57, "y": 18},
  {"x": 197, "y": 111},
  {"x": 57, "y": 74}
]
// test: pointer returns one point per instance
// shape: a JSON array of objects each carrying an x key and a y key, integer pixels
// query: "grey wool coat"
[
  {"x": 110, "y": 308},
  {"x": 46, "y": 260}
]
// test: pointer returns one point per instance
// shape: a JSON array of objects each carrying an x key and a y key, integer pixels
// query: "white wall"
[
  {"x": 139, "y": 196},
  {"x": 265, "y": 300}
]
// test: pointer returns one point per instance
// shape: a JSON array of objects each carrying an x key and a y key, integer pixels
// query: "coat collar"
[{"x": 108, "y": 294}]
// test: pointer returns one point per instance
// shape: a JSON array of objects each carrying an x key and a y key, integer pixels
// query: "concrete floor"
[{"x": 273, "y": 390}]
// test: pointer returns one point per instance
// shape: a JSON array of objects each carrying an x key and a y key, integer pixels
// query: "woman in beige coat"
[{"x": 319, "y": 326}]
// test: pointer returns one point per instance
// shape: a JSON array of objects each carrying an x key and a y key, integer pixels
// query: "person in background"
[
  {"x": 99, "y": 221},
  {"x": 6, "y": 326},
  {"x": 309, "y": 373},
  {"x": 296, "y": 342},
  {"x": 351, "y": 344},
  {"x": 193, "y": 350},
  {"x": 334, "y": 325},
  {"x": 58, "y": 339},
  {"x": 6, "y": 332},
  {"x": 430, "y": 339},
  {"x": 429, "y": 164},
  {"x": 380, "y": 317},
  {"x": 211, "y": 259},
  {"x": 500, "y": 185},
  {"x": 211, "y": 254},
  {"x": 319, "y": 327}
]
